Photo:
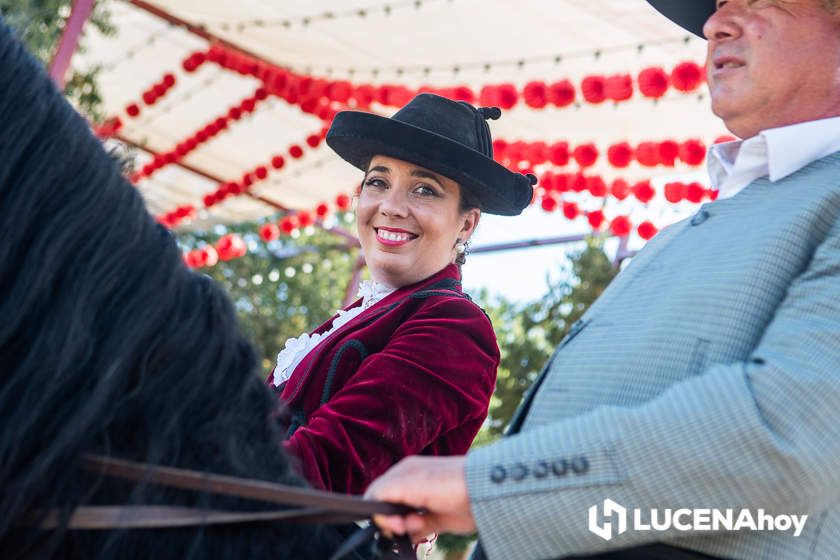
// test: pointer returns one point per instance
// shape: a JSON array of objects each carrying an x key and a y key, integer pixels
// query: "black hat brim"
[
  {"x": 358, "y": 136},
  {"x": 688, "y": 14}
]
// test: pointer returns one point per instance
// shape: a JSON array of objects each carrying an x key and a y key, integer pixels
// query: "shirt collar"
[{"x": 784, "y": 150}]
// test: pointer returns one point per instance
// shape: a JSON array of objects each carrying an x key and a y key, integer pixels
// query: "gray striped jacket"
[{"x": 706, "y": 376}]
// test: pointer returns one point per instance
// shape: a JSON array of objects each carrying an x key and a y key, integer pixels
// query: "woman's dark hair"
[{"x": 109, "y": 344}]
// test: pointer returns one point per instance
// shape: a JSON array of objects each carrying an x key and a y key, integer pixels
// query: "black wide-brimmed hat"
[
  {"x": 688, "y": 14},
  {"x": 450, "y": 137}
]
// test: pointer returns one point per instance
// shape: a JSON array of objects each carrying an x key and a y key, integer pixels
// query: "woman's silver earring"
[{"x": 460, "y": 247}]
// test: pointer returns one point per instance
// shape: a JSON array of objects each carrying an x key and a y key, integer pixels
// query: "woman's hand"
[{"x": 436, "y": 484}]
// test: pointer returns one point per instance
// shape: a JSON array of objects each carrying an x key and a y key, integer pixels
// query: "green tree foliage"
[
  {"x": 39, "y": 24},
  {"x": 282, "y": 288},
  {"x": 528, "y": 333}
]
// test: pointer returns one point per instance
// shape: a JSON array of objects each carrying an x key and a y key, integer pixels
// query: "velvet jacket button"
[{"x": 498, "y": 474}]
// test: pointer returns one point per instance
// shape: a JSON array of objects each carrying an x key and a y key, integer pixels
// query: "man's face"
[{"x": 772, "y": 63}]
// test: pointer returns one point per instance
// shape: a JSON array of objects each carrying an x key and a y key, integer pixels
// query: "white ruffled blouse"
[{"x": 296, "y": 349}]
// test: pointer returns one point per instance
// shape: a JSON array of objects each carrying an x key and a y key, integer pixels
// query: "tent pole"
[{"x": 79, "y": 14}]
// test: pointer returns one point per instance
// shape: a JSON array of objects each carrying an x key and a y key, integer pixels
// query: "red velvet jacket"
[{"x": 412, "y": 374}]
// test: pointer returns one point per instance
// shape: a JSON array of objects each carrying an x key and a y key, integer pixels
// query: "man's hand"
[{"x": 437, "y": 484}]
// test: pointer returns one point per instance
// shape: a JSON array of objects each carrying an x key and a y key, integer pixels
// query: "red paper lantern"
[
  {"x": 537, "y": 153},
  {"x": 621, "y": 226},
  {"x": 592, "y": 88},
  {"x": 595, "y": 218},
  {"x": 289, "y": 224},
  {"x": 132, "y": 110},
  {"x": 548, "y": 203},
  {"x": 578, "y": 182},
  {"x": 340, "y": 91},
  {"x": 463, "y": 93},
  {"x": 668, "y": 152},
  {"x": 515, "y": 152},
  {"x": 277, "y": 162},
  {"x": 546, "y": 181},
  {"x": 489, "y": 96},
  {"x": 596, "y": 186},
  {"x": 647, "y": 153},
  {"x": 558, "y": 153},
  {"x": 261, "y": 172},
  {"x": 562, "y": 93},
  {"x": 693, "y": 152},
  {"x": 586, "y": 154},
  {"x": 620, "y": 155},
  {"x": 342, "y": 201},
  {"x": 508, "y": 96},
  {"x": 313, "y": 140},
  {"x": 620, "y": 189},
  {"x": 234, "y": 113},
  {"x": 535, "y": 94},
  {"x": 322, "y": 210},
  {"x": 560, "y": 182},
  {"x": 231, "y": 246},
  {"x": 304, "y": 218},
  {"x": 499, "y": 149},
  {"x": 647, "y": 230},
  {"x": 653, "y": 82},
  {"x": 619, "y": 87},
  {"x": 209, "y": 255},
  {"x": 694, "y": 192},
  {"x": 644, "y": 191},
  {"x": 149, "y": 97},
  {"x": 571, "y": 210},
  {"x": 687, "y": 76},
  {"x": 363, "y": 95},
  {"x": 269, "y": 232},
  {"x": 193, "y": 258},
  {"x": 295, "y": 151},
  {"x": 674, "y": 192}
]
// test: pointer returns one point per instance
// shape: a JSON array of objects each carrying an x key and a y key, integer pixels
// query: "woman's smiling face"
[{"x": 409, "y": 219}]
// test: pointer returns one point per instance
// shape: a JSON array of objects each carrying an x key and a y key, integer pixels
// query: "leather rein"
[{"x": 313, "y": 506}]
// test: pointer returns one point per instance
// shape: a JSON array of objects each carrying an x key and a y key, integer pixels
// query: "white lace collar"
[
  {"x": 296, "y": 349},
  {"x": 372, "y": 292}
]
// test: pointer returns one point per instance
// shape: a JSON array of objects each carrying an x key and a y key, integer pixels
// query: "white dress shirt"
[{"x": 774, "y": 153}]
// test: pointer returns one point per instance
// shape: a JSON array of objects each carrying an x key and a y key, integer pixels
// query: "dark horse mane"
[{"x": 109, "y": 344}]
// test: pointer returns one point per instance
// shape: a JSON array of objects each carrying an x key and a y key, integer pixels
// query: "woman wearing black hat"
[{"x": 409, "y": 367}]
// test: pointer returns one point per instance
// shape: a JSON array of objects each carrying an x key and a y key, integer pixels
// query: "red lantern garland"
[
  {"x": 619, "y": 87},
  {"x": 231, "y": 246},
  {"x": 519, "y": 155},
  {"x": 621, "y": 226},
  {"x": 595, "y": 218},
  {"x": 646, "y": 230},
  {"x": 653, "y": 82},
  {"x": 592, "y": 88},
  {"x": 687, "y": 76}
]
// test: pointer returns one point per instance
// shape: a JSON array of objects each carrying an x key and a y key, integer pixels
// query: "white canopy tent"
[{"x": 441, "y": 43}]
